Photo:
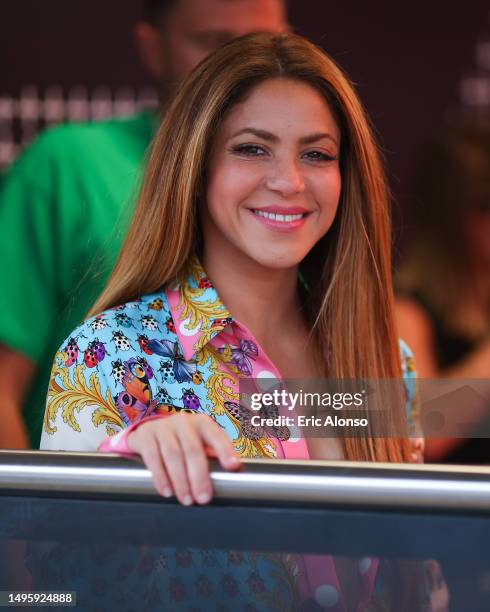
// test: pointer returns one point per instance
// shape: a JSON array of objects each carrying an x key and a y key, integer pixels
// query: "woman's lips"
[{"x": 281, "y": 221}]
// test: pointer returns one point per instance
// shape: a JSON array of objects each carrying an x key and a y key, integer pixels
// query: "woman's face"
[{"x": 273, "y": 180}]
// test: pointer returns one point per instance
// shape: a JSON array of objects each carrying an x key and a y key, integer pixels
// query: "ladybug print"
[
  {"x": 143, "y": 342},
  {"x": 71, "y": 350},
  {"x": 177, "y": 590},
  {"x": 99, "y": 349},
  {"x": 255, "y": 583},
  {"x": 163, "y": 397},
  {"x": 149, "y": 323},
  {"x": 98, "y": 323},
  {"x": 235, "y": 557},
  {"x": 121, "y": 342},
  {"x": 183, "y": 557},
  {"x": 170, "y": 325},
  {"x": 208, "y": 557},
  {"x": 157, "y": 304},
  {"x": 204, "y": 586},
  {"x": 222, "y": 322},
  {"x": 190, "y": 400},
  {"x": 166, "y": 370},
  {"x": 205, "y": 283},
  {"x": 118, "y": 371},
  {"x": 90, "y": 357},
  {"x": 135, "y": 305},
  {"x": 197, "y": 378},
  {"x": 229, "y": 585},
  {"x": 123, "y": 320}
]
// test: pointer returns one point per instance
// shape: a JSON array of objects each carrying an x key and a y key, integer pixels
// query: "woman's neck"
[{"x": 265, "y": 300}]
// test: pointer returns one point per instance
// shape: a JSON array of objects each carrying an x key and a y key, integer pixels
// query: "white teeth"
[{"x": 277, "y": 217}]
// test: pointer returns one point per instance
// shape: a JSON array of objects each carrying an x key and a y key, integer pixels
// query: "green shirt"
[{"x": 64, "y": 209}]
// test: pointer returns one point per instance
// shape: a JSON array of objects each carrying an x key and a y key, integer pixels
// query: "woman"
[
  {"x": 264, "y": 192},
  {"x": 443, "y": 309}
]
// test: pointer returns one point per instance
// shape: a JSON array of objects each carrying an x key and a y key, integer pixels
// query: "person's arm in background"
[
  {"x": 28, "y": 279},
  {"x": 16, "y": 374},
  {"x": 415, "y": 327}
]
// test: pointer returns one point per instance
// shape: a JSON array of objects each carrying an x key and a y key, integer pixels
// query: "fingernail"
[
  {"x": 233, "y": 459},
  {"x": 203, "y": 498},
  {"x": 166, "y": 492},
  {"x": 187, "y": 501}
]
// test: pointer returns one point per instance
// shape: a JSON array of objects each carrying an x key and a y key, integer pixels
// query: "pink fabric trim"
[
  {"x": 187, "y": 342},
  {"x": 118, "y": 443}
]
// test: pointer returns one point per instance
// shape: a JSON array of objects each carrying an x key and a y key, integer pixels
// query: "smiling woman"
[
  {"x": 260, "y": 247},
  {"x": 274, "y": 176}
]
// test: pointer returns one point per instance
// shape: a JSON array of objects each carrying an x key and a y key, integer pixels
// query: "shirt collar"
[{"x": 197, "y": 311}]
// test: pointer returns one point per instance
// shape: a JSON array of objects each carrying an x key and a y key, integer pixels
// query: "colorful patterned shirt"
[{"x": 178, "y": 349}]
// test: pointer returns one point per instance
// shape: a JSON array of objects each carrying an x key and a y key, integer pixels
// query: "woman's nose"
[{"x": 286, "y": 178}]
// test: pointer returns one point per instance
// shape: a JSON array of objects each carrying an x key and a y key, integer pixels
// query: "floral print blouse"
[{"x": 181, "y": 349}]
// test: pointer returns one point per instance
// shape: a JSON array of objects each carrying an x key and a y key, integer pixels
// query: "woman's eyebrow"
[
  {"x": 270, "y": 137},
  {"x": 256, "y": 132},
  {"x": 315, "y": 137}
]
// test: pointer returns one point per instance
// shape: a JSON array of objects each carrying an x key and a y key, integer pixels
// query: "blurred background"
[{"x": 413, "y": 63}]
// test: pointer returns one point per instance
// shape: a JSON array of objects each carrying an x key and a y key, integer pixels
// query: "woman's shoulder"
[
  {"x": 99, "y": 377},
  {"x": 103, "y": 342},
  {"x": 122, "y": 324}
]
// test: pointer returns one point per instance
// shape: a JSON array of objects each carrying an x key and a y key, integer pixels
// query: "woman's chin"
[{"x": 279, "y": 261}]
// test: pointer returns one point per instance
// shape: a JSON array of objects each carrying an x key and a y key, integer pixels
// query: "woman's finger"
[
  {"x": 174, "y": 461},
  {"x": 215, "y": 437},
  {"x": 417, "y": 446},
  {"x": 197, "y": 465},
  {"x": 150, "y": 453}
]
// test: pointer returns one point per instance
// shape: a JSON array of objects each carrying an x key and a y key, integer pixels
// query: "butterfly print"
[
  {"x": 241, "y": 356},
  {"x": 183, "y": 371},
  {"x": 243, "y": 414}
]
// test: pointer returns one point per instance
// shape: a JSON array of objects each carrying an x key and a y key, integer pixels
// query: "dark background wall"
[{"x": 406, "y": 58}]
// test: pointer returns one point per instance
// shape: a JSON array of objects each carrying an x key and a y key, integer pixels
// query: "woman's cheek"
[
  {"x": 233, "y": 184},
  {"x": 245, "y": 178},
  {"x": 328, "y": 195}
]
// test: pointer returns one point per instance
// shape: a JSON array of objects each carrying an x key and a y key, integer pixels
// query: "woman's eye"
[
  {"x": 319, "y": 156},
  {"x": 249, "y": 150}
]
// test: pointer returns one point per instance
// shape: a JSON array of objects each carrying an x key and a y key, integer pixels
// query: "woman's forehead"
[{"x": 282, "y": 106}]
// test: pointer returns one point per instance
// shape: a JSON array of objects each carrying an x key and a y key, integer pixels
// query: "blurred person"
[
  {"x": 443, "y": 308},
  {"x": 63, "y": 204},
  {"x": 260, "y": 247}
]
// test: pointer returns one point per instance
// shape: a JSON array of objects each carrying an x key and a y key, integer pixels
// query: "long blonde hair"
[{"x": 349, "y": 270}]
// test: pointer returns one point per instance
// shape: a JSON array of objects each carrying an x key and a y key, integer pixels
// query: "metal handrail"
[{"x": 382, "y": 485}]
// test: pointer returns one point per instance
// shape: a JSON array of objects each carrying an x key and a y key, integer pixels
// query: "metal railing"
[{"x": 386, "y": 486}]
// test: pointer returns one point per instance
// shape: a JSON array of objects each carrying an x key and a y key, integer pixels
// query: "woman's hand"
[
  {"x": 173, "y": 449},
  {"x": 417, "y": 446}
]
